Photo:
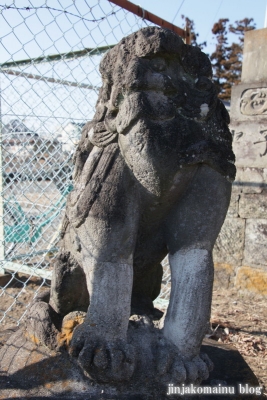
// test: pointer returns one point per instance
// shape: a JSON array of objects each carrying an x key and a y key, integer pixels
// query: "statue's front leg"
[
  {"x": 107, "y": 239},
  {"x": 192, "y": 230},
  {"x": 100, "y": 343},
  {"x": 189, "y": 311}
]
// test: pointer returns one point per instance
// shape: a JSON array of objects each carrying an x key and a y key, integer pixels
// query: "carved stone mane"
[{"x": 134, "y": 73}]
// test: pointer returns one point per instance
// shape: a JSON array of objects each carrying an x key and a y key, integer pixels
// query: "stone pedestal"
[
  {"x": 29, "y": 371},
  {"x": 242, "y": 243}
]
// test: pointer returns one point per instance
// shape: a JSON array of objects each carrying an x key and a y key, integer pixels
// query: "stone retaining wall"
[{"x": 240, "y": 252}]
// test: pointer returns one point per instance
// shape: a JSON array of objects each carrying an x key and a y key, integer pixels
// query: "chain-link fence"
[{"x": 50, "y": 53}]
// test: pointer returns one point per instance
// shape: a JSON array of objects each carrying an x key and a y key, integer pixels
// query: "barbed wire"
[{"x": 12, "y": 7}]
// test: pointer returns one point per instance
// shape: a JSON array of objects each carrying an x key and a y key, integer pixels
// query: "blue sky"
[
  {"x": 70, "y": 33},
  {"x": 206, "y": 12}
]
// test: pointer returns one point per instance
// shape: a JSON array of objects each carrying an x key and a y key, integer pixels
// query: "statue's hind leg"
[
  {"x": 191, "y": 231},
  {"x": 68, "y": 287},
  {"x": 68, "y": 293}
]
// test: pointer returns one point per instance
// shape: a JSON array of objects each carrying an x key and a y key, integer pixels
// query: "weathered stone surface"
[
  {"x": 249, "y": 130},
  {"x": 33, "y": 372},
  {"x": 252, "y": 279},
  {"x": 35, "y": 369},
  {"x": 237, "y": 184},
  {"x": 229, "y": 245},
  {"x": 233, "y": 206},
  {"x": 254, "y": 56},
  {"x": 246, "y": 106},
  {"x": 250, "y": 180},
  {"x": 40, "y": 325},
  {"x": 253, "y": 102},
  {"x": 255, "y": 252},
  {"x": 253, "y": 206},
  {"x": 223, "y": 275},
  {"x": 250, "y": 144}
]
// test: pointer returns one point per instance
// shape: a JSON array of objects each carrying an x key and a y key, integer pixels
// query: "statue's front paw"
[
  {"x": 198, "y": 368},
  {"x": 179, "y": 369},
  {"x": 169, "y": 363},
  {"x": 102, "y": 360}
]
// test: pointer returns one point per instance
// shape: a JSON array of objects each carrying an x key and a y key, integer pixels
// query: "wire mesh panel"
[{"x": 50, "y": 54}]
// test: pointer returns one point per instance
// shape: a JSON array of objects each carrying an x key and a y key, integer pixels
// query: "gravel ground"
[{"x": 241, "y": 319}]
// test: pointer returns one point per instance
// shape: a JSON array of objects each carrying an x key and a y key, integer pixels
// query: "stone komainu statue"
[{"x": 153, "y": 173}]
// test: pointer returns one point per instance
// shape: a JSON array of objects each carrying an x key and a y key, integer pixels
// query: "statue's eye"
[{"x": 158, "y": 64}]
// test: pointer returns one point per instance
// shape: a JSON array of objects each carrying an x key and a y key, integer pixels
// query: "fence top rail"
[
  {"x": 57, "y": 57},
  {"x": 141, "y": 12}
]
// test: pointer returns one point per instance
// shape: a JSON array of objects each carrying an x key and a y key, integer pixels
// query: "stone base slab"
[{"x": 34, "y": 372}]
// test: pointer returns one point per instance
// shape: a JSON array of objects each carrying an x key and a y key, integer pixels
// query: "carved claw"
[
  {"x": 175, "y": 368},
  {"x": 207, "y": 361},
  {"x": 169, "y": 363},
  {"x": 198, "y": 368},
  {"x": 101, "y": 359}
]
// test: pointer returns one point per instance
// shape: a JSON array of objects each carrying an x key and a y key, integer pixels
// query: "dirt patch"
[
  {"x": 16, "y": 296},
  {"x": 241, "y": 319},
  {"x": 236, "y": 318}
]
